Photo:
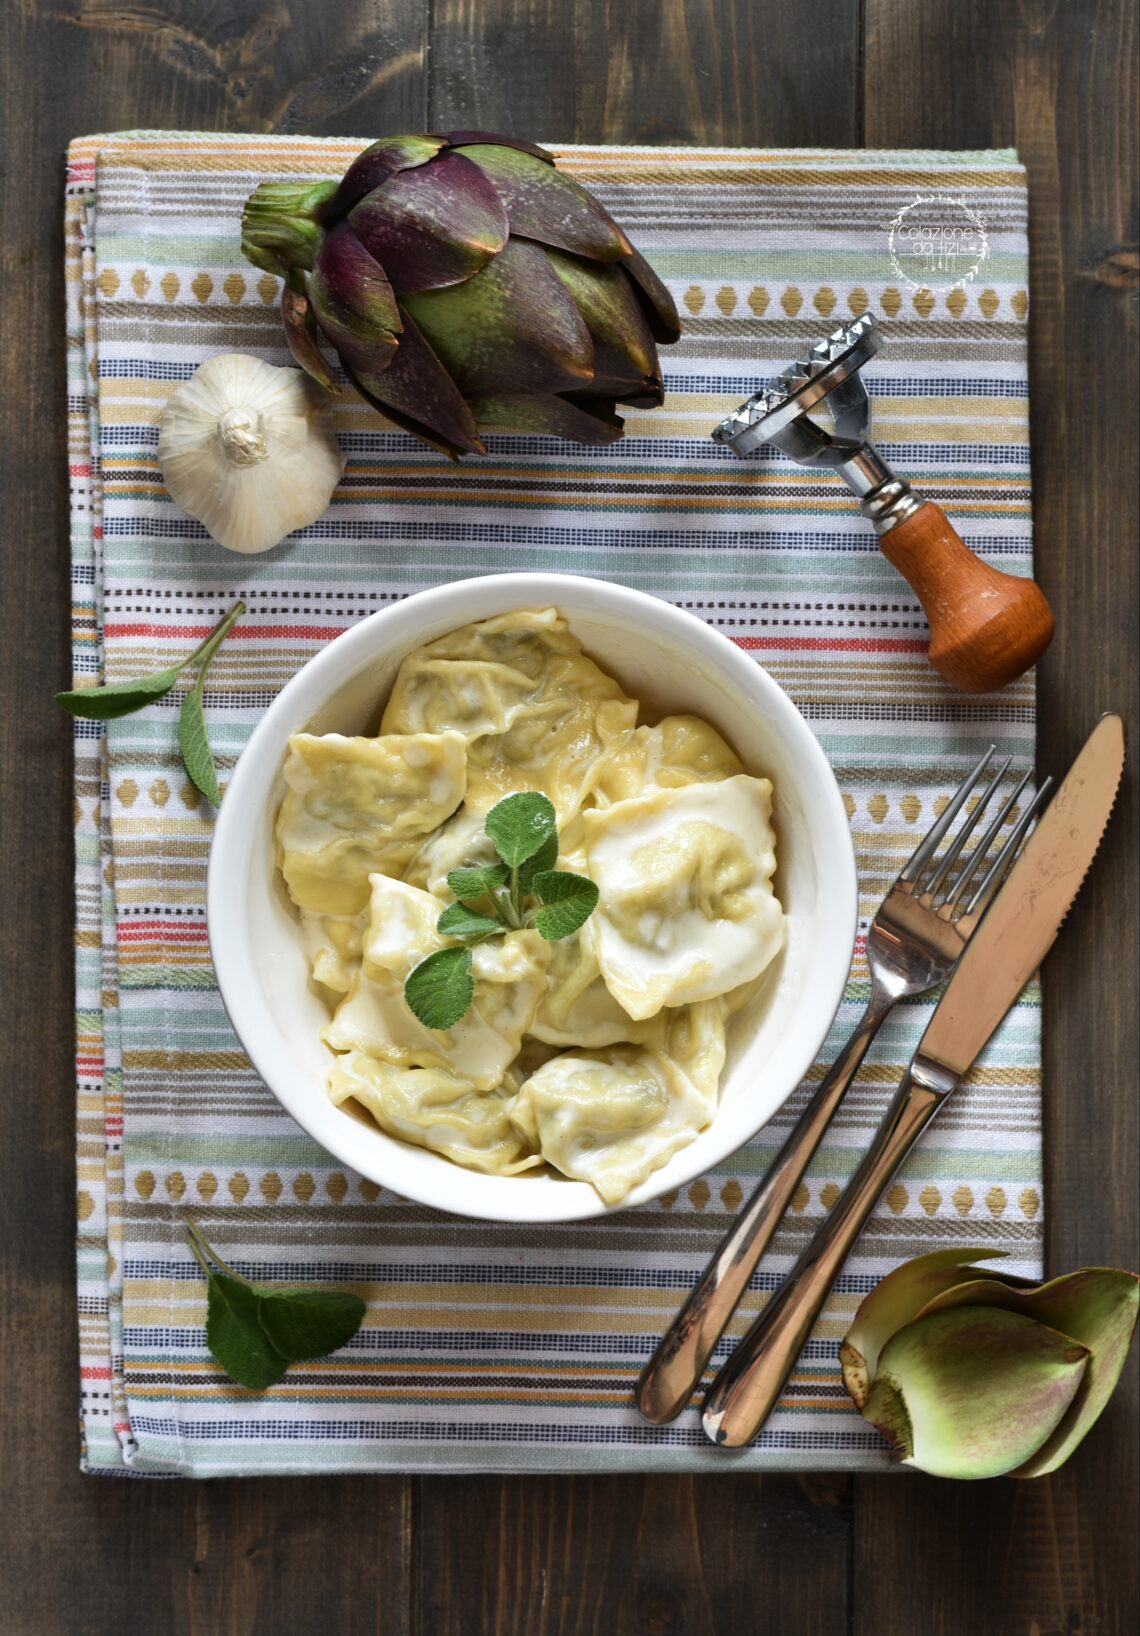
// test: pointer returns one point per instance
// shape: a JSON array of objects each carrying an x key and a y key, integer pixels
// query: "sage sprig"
[
  {"x": 524, "y": 889},
  {"x": 255, "y": 1331},
  {"x": 123, "y": 698}
]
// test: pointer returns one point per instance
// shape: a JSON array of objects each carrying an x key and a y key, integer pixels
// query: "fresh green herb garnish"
[
  {"x": 122, "y": 698},
  {"x": 255, "y": 1331},
  {"x": 524, "y": 889}
]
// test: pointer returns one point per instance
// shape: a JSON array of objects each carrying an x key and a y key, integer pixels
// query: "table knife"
[{"x": 1004, "y": 952}]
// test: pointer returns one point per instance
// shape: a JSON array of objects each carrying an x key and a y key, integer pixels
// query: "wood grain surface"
[{"x": 602, "y": 1556}]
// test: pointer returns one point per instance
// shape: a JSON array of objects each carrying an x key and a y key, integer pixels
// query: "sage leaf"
[
  {"x": 545, "y": 858},
  {"x": 194, "y": 746},
  {"x": 440, "y": 988},
  {"x": 567, "y": 901},
  {"x": 308, "y": 1323},
  {"x": 476, "y": 882},
  {"x": 520, "y": 824},
  {"x": 235, "y": 1336},
  {"x": 119, "y": 698},
  {"x": 457, "y": 920}
]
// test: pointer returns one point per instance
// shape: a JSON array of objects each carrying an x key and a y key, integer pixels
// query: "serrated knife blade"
[
  {"x": 1005, "y": 950},
  {"x": 1021, "y": 924}
]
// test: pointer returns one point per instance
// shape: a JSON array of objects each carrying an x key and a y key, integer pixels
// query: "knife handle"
[
  {"x": 672, "y": 1374},
  {"x": 986, "y": 627},
  {"x": 744, "y": 1394}
]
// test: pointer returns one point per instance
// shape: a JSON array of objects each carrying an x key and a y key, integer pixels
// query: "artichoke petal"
[
  {"x": 416, "y": 388},
  {"x": 460, "y": 139},
  {"x": 975, "y": 1391},
  {"x": 433, "y": 226},
  {"x": 280, "y": 224},
  {"x": 660, "y": 308},
  {"x": 374, "y": 166},
  {"x": 625, "y": 359},
  {"x": 1097, "y": 1307},
  {"x": 512, "y": 330},
  {"x": 300, "y": 333},
  {"x": 353, "y": 302},
  {"x": 544, "y": 204},
  {"x": 585, "y": 422},
  {"x": 895, "y": 1301}
]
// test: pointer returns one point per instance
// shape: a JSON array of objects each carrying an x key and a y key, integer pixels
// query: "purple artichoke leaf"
[
  {"x": 373, "y": 167},
  {"x": 1097, "y": 1307},
  {"x": 550, "y": 417},
  {"x": 353, "y": 302},
  {"x": 660, "y": 308},
  {"x": 408, "y": 423},
  {"x": 625, "y": 358},
  {"x": 973, "y": 1392},
  {"x": 512, "y": 330},
  {"x": 432, "y": 227},
  {"x": 545, "y": 204},
  {"x": 416, "y": 387},
  {"x": 300, "y": 333},
  {"x": 494, "y": 139}
]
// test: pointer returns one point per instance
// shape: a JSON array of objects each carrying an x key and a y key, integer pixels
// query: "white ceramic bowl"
[{"x": 657, "y": 653}]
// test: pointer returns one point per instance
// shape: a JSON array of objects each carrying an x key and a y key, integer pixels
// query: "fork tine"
[
  {"x": 950, "y": 856},
  {"x": 996, "y": 873},
  {"x": 969, "y": 868},
  {"x": 927, "y": 847}
]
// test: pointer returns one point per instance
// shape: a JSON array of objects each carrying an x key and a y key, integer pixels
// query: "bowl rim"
[{"x": 337, "y": 663}]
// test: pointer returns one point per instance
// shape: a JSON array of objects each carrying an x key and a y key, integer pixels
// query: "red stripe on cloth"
[
  {"x": 831, "y": 644},
  {"x": 91, "y": 1373},
  {"x": 184, "y": 633}
]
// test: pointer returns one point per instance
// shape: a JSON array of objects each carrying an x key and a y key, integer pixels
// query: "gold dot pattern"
[
  {"x": 858, "y": 301},
  {"x": 202, "y": 286},
  {"x": 668, "y": 1200},
  {"x": 791, "y": 301},
  {"x": 108, "y": 282},
  {"x": 159, "y": 792},
  {"x": 896, "y": 1198},
  {"x": 176, "y": 1185},
  {"x": 759, "y": 300},
  {"x": 699, "y": 1194},
  {"x": 988, "y": 303},
  {"x": 84, "y": 1205},
  {"x": 336, "y": 1187},
  {"x": 829, "y": 1195},
  {"x": 207, "y": 1185},
  {"x": 169, "y": 285},
  {"x": 304, "y": 1187},
  {"x": 726, "y": 300},
  {"x": 267, "y": 289},
  {"x": 824, "y": 301},
  {"x": 1030, "y": 1201},
  {"x": 962, "y": 1199},
  {"x": 140, "y": 283},
  {"x": 145, "y": 1184},
  {"x": 694, "y": 298},
  {"x": 929, "y": 1199},
  {"x": 731, "y": 1195},
  {"x": 234, "y": 287},
  {"x": 801, "y": 1198},
  {"x": 890, "y": 301},
  {"x": 877, "y": 807},
  {"x": 956, "y": 301},
  {"x": 270, "y": 1185},
  {"x": 996, "y": 1201},
  {"x": 238, "y": 1186},
  {"x": 369, "y": 1191}
]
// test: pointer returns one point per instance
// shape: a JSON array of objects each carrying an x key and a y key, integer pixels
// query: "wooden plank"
[
  {"x": 652, "y": 71},
  {"x": 632, "y": 1556},
  {"x": 79, "y": 1555},
  {"x": 638, "y": 1554},
  {"x": 1060, "y": 1553}
]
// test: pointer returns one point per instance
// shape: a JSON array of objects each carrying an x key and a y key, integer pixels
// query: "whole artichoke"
[
  {"x": 975, "y": 1373},
  {"x": 464, "y": 282}
]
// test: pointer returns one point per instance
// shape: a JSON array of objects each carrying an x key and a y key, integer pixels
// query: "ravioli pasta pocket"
[{"x": 599, "y": 1055}]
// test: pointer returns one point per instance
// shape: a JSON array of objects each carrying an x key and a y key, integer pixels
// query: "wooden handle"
[{"x": 986, "y": 627}]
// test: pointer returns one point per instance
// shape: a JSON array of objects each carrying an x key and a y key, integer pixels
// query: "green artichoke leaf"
[
  {"x": 353, "y": 302},
  {"x": 300, "y": 333},
  {"x": 1097, "y": 1308},
  {"x": 547, "y": 205},
  {"x": 660, "y": 308},
  {"x": 895, "y": 1301},
  {"x": 373, "y": 167},
  {"x": 550, "y": 417},
  {"x": 461, "y": 139},
  {"x": 973, "y": 1392},
  {"x": 432, "y": 226},
  {"x": 625, "y": 359},
  {"x": 417, "y": 393},
  {"x": 511, "y": 329}
]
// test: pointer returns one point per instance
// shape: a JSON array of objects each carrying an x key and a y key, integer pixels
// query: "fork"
[{"x": 913, "y": 944}]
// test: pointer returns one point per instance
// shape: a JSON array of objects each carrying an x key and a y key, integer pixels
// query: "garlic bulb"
[{"x": 248, "y": 450}]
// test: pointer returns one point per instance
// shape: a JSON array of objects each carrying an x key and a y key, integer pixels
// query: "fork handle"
[
  {"x": 673, "y": 1372},
  {"x": 745, "y": 1392}
]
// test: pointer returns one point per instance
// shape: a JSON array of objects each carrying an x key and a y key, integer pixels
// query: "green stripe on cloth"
[{"x": 486, "y": 1347}]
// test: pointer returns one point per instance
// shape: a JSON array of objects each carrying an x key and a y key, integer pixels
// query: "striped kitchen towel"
[{"x": 486, "y": 1347}]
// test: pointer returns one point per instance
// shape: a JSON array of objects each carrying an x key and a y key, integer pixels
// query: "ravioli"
[
  {"x": 535, "y": 711},
  {"x": 610, "y": 1118},
  {"x": 686, "y": 908},
  {"x": 374, "y": 1018},
  {"x": 433, "y": 1108},
  {"x": 356, "y": 805},
  {"x": 599, "y": 1055}
]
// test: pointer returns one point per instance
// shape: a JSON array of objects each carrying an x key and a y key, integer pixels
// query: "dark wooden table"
[{"x": 602, "y": 1556}]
